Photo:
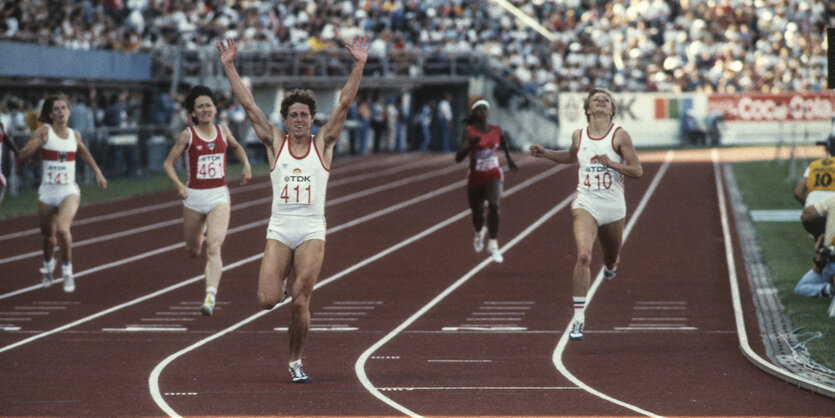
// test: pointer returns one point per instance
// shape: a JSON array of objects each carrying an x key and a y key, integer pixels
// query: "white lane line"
[
  {"x": 153, "y": 378},
  {"x": 144, "y": 329},
  {"x": 236, "y": 206},
  {"x": 176, "y": 203},
  {"x": 254, "y": 224},
  {"x": 327, "y": 328},
  {"x": 359, "y": 367},
  {"x": 411, "y": 388},
  {"x": 741, "y": 332},
  {"x": 558, "y": 351}
]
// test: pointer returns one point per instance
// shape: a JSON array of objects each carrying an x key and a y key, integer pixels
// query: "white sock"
[
  {"x": 296, "y": 363},
  {"x": 211, "y": 290},
  {"x": 579, "y": 308},
  {"x": 66, "y": 268},
  {"x": 49, "y": 265}
]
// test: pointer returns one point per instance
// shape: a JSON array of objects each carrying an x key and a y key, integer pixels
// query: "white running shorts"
[
  {"x": 292, "y": 231},
  {"x": 604, "y": 211},
  {"x": 54, "y": 194},
  {"x": 204, "y": 200}
]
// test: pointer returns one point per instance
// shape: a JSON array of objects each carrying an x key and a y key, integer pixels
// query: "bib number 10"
[
  {"x": 295, "y": 195},
  {"x": 598, "y": 181}
]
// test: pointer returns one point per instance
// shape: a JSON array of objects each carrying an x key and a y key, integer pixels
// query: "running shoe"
[
  {"x": 208, "y": 305},
  {"x": 69, "y": 283},
  {"x": 493, "y": 248},
  {"x": 297, "y": 374},
  {"x": 609, "y": 274},
  {"x": 478, "y": 239},
  {"x": 46, "y": 277},
  {"x": 576, "y": 333}
]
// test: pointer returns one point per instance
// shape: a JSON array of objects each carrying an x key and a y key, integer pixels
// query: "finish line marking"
[
  {"x": 340, "y": 329},
  {"x": 408, "y": 389},
  {"x": 145, "y": 329},
  {"x": 474, "y": 328}
]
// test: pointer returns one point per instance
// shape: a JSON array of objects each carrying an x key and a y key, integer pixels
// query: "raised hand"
[
  {"x": 359, "y": 49},
  {"x": 228, "y": 50}
]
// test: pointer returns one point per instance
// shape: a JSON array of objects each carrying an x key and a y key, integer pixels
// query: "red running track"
[{"x": 407, "y": 318}]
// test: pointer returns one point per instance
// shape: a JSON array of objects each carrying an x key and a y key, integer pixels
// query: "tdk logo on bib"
[{"x": 297, "y": 179}]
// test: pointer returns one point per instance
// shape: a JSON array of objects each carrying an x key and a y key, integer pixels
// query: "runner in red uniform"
[
  {"x": 205, "y": 197},
  {"x": 481, "y": 141}
]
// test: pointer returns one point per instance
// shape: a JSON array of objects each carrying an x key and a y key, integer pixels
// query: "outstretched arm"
[
  {"x": 85, "y": 155},
  {"x": 330, "y": 132},
  {"x": 263, "y": 128},
  {"x": 558, "y": 156}
]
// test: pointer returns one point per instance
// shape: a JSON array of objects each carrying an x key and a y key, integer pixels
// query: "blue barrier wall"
[{"x": 19, "y": 59}]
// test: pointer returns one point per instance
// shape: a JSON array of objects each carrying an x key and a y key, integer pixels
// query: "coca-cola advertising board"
[{"x": 785, "y": 107}]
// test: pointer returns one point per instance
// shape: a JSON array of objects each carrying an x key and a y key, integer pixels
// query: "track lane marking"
[
  {"x": 262, "y": 222},
  {"x": 151, "y": 208},
  {"x": 558, "y": 351},
  {"x": 243, "y": 205},
  {"x": 739, "y": 318},
  {"x": 359, "y": 366},
  {"x": 153, "y": 378}
]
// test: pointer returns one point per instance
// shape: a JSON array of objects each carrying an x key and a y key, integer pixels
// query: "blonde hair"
[{"x": 587, "y": 102}]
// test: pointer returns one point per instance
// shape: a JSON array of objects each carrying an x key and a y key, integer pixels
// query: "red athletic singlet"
[
  {"x": 484, "y": 157},
  {"x": 206, "y": 160}
]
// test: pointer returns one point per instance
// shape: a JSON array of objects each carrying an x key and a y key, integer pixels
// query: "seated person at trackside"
[
  {"x": 816, "y": 184},
  {"x": 817, "y": 282}
]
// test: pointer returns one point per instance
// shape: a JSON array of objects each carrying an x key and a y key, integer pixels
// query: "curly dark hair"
[
  {"x": 303, "y": 96},
  {"x": 46, "y": 108},
  {"x": 196, "y": 92}
]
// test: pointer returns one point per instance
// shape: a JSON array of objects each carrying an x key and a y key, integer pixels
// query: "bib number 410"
[{"x": 599, "y": 181}]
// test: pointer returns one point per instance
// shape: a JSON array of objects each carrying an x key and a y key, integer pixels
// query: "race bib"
[
  {"x": 296, "y": 190},
  {"x": 58, "y": 174},
  {"x": 210, "y": 167},
  {"x": 486, "y": 160}
]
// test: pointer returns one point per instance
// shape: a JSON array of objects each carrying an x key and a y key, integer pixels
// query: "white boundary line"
[
  {"x": 254, "y": 224},
  {"x": 359, "y": 367},
  {"x": 241, "y": 205},
  {"x": 558, "y": 351},
  {"x": 153, "y": 378},
  {"x": 739, "y": 318}
]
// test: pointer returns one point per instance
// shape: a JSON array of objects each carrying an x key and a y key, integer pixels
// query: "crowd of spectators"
[{"x": 624, "y": 45}]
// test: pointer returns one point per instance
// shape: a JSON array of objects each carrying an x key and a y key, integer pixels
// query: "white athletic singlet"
[
  {"x": 595, "y": 179},
  {"x": 299, "y": 182},
  {"x": 58, "y": 158}
]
